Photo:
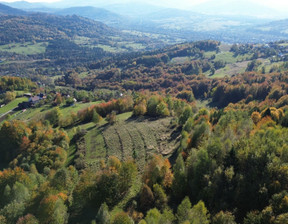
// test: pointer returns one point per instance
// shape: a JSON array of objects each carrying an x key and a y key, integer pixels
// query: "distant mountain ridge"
[
  {"x": 279, "y": 27},
  {"x": 98, "y": 14},
  {"x": 23, "y": 5},
  {"x": 7, "y": 10},
  {"x": 44, "y": 27}
]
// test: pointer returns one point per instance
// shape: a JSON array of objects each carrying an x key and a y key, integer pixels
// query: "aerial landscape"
[{"x": 149, "y": 112}]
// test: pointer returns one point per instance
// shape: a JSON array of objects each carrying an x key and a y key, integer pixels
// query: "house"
[
  {"x": 31, "y": 101},
  {"x": 27, "y": 94},
  {"x": 34, "y": 99}
]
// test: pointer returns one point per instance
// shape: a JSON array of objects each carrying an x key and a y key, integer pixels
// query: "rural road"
[{"x": 2, "y": 116}]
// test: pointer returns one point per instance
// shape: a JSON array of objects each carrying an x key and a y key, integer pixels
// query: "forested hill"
[
  {"x": 6, "y": 10},
  {"x": 45, "y": 27},
  {"x": 65, "y": 40},
  {"x": 97, "y": 14},
  {"x": 278, "y": 27}
]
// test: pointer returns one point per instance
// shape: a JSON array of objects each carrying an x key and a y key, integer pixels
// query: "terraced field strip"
[
  {"x": 96, "y": 141},
  {"x": 137, "y": 139},
  {"x": 112, "y": 141},
  {"x": 139, "y": 145},
  {"x": 162, "y": 133},
  {"x": 148, "y": 137},
  {"x": 96, "y": 149},
  {"x": 134, "y": 156},
  {"x": 120, "y": 143},
  {"x": 125, "y": 141}
]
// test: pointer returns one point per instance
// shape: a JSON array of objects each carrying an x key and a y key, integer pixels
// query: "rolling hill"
[
  {"x": 279, "y": 27},
  {"x": 44, "y": 27},
  {"x": 90, "y": 12},
  {"x": 6, "y": 10},
  {"x": 24, "y": 5}
]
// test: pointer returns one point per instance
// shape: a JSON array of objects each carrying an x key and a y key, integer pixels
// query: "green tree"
[
  {"x": 179, "y": 184},
  {"x": 13, "y": 211},
  {"x": 27, "y": 219},
  {"x": 146, "y": 198},
  {"x": 160, "y": 197},
  {"x": 185, "y": 115},
  {"x": 162, "y": 109},
  {"x": 111, "y": 118},
  {"x": 140, "y": 108},
  {"x": 184, "y": 210},
  {"x": 52, "y": 210},
  {"x": 122, "y": 218},
  {"x": 96, "y": 118},
  {"x": 153, "y": 216},
  {"x": 12, "y": 134},
  {"x": 103, "y": 215},
  {"x": 199, "y": 214},
  {"x": 167, "y": 217},
  {"x": 223, "y": 218},
  {"x": 53, "y": 116},
  {"x": 9, "y": 96},
  {"x": 152, "y": 105}
]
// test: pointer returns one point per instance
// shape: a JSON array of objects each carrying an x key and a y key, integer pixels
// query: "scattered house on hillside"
[
  {"x": 32, "y": 101},
  {"x": 27, "y": 94}
]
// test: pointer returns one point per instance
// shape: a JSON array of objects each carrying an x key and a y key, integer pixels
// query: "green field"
[
  {"x": 12, "y": 105},
  {"x": 130, "y": 138},
  {"x": 27, "y": 48},
  {"x": 229, "y": 58},
  {"x": 208, "y": 54},
  {"x": 110, "y": 48},
  {"x": 37, "y": 113}
]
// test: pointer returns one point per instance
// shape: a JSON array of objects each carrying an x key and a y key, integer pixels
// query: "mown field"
[
  {"x": 137, "y": 139},
  {"x": 27, "y": 48},
  {"x": 36, "y": 113},
  {"x": 12, "y": 105}
]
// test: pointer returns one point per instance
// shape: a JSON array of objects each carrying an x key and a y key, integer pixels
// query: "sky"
[{"x": 275, "y": 4}]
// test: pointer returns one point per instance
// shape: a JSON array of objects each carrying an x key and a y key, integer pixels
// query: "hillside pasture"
[
  {"x": 27, "y": 48},
  {"x": 13, "y": 104},
  {"x": 132, "y": 138}
]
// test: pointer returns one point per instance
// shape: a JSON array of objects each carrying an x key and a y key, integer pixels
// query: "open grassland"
[
  {"x": 229, "y": 57},
  {"x": 130, "y": 138},
  {"x": 36, "y": 113},
  {"x": 231, "y": 69},
  {"x": 27, "y": 48},
  {"x": 225, "y": 47}
]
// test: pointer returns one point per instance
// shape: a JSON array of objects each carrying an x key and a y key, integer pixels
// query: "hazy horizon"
[{"x": 180, "y": 4}]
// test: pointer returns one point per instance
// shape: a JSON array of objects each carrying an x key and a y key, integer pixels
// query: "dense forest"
[{"x": 191, "y": 133}]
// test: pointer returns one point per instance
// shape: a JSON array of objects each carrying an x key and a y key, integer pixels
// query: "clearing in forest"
[{"x": 132, "y": 138}]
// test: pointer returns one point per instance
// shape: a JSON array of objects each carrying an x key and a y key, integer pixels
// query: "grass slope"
[
  {"x": 130, "y": 138},
  {"x": 27, "y": 48},
  {"x": 12, "y": 105}
]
